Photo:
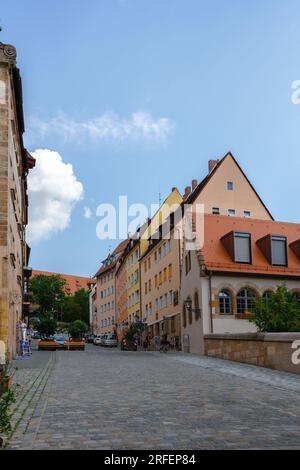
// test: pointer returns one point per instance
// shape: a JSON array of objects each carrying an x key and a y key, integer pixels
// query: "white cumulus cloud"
[
  {"x": 108, "y": 126},
  {"x": 53, "y": 191},
  {"x": 87, "y": 213}
]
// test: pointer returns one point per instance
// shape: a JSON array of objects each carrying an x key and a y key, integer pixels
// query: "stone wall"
[{"x": 272, "y": 350}]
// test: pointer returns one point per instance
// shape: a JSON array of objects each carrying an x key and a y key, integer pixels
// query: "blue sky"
[{"x": 218, "y": 72}]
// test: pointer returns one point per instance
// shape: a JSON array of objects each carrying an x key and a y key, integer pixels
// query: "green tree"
[
  {"x": 48, "y": 292},
  {"x": 77, "y": 329},
  {"x": 279, "y": 312},
  {"x": 81, "y": 298},
  {"x": 71, "y": 310},
  {"x": 47, "y": 326}
]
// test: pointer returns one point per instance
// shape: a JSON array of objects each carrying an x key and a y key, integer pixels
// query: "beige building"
[
  {"x": 14, "y": 165},
  {"x": 160, "y": 285},
  {"x": 226, "y": 190},
  {"x": 104, "y": 314}
]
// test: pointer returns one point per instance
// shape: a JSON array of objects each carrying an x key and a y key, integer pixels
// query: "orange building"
[{"x": 73, "y": 283}]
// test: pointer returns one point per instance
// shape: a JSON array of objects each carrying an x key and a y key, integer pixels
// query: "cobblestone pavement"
[{"x": 108, "y": 399}]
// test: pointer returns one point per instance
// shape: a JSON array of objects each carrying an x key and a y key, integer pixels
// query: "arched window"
[
  {"x": 267, "y": 296},
  {"x": 297, "y": 294},
  {"x": 245, "y": 300},
  {"x": 225, "y": 302}
]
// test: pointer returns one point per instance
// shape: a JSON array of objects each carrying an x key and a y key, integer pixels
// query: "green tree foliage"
[
  {"x": 71, "y": 311},
  {"x": 81, "y": 297},
  {"x": 280, "y": 312},
  {"x": 133, "y": 329},
  {"x": 48, "y": 293},
  {"x": 47, "y": 326},
  {"x": 76, "y": 307},
  {"x": 77, "y": 329}
]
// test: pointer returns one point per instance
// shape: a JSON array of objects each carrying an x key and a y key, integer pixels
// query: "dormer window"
[
  {"x": 238, "y": 246},
  {"x": 274, "y": 248}
]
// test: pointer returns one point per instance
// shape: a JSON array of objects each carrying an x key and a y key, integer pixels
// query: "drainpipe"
[{"x": 210, "y": 300}]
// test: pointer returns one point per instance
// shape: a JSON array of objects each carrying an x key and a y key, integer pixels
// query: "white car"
[
  {"x": 98, "y": 339},
  {"x": 110, "y": 340}
]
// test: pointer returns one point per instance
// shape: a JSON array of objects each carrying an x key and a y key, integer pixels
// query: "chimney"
[
  {"x": 212, "y": 164},
  {"x": 187, "y": 192},
  {"x": 174, "y": 188},
  {"x": 194, "y": 184}
]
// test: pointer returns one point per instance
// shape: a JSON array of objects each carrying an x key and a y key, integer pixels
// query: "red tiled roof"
[
  {"x": 217, "y": 259},
  {"x": 73, "y": 283}
]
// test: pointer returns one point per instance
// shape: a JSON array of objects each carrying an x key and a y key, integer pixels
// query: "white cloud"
[
  {"x": 87, "y": 213},
  {"x": 53, "y": 191},
  {"x": 108, "y": 126}
]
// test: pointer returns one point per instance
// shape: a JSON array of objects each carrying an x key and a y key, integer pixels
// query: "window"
[
  {"x": 160, "y": 278},
  {"x": 215, "y": 211},
  {"x": 279, "y": 252},
  {"x": 245, "y": 300},
  {"x": 156, "y": 305},
  {"x": 170, "y": 271},
  {"x": 247, "y": 214},
  {"x": 155, "y": 280},
  {"x": 170, "y": 302},
  {"x": 149, "y": 285},
  {"x": 155, "y": 256},
  {"x": 267, "y": 296},
  {"x": 159, "y": 253},
  {"x": 188, "y": 262},
  {"x": 149, "y": 263},
  {"x": 229, "y": 185},
  {"x": 145, "y": 266},
  {"x": 146, "y": 288},
  {"x": 165, "y": 274},
  {"x": 231, "y": 212},
  {"x": 150, "y": 308},
  {"x": 224, "y": 302},
  {"x": 242, "y": 247},
  {"x": 166, "y": 300}
]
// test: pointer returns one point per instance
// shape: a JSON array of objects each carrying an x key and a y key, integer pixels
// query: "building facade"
[
  {"x": 242, "y": 259},
  {"x": 160, "y": 285},
  {"x": 15, "y": 162},
  {"x": 105, "y": 313}
]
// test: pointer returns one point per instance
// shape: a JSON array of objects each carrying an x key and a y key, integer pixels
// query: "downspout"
[{"x": 210, "y": 304}]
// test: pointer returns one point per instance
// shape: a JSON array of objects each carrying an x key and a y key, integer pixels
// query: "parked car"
[
  {"x": 89, "y": 338},
  {"x": 97, "y": 340},
  {"x": 35, "y": 335},
  {"x": 61, "y": 339},
  {"x": 110, "y": 340}
]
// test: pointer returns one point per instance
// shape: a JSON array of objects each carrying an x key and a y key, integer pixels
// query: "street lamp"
[{"x": 188, "y": 305}]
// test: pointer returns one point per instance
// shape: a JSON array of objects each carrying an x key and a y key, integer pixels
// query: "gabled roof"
[
  {"x": 193, "y": 196},
  {"x": 111, "y": 260},
  {"x": 216, "y": 258}
]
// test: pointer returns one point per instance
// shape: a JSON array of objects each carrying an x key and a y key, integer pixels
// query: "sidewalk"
[{"x": 278, "y": 379}]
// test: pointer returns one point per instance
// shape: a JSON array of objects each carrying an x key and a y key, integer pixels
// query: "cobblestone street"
[{"x": 108, "y": 399}]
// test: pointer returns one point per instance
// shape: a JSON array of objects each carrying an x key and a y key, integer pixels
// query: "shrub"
[
  {"x": 77, "y": 329},
  {"x": 46, "y": 327},
  {"x": 280, "y": 312}
]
